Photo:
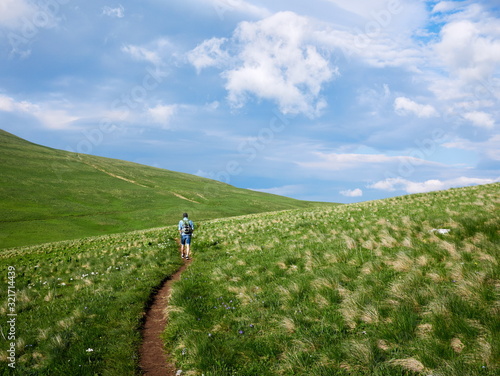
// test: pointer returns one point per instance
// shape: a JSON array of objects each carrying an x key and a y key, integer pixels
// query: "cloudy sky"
[{"x": 328, "y": 100}]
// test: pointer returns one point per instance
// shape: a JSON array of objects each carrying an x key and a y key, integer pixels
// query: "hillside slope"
[
  {"x": 370, "y": 290},
  {"x": 402, "y": 286},
  {"x": 49, "y": 195}
]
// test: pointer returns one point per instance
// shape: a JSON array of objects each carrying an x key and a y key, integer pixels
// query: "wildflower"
[
  {"x": 251, "y": 325},
  {"x": 241, "y": 332},
  {"x": 89, "y": 350}
]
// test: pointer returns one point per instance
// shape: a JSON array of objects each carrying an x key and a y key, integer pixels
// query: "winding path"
[{"x": 153, "y": 359}]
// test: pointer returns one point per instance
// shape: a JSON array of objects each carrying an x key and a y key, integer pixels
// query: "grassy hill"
[
  {"x": 366, "y": 289},
  {"x": 403, "y": 286},
  {"x": 49, "y": 195}
]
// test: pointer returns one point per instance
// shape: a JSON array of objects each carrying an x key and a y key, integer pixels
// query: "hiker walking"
[{"x": 186, "y": 228}]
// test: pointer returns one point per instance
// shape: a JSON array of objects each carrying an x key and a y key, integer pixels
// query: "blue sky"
[{"x": 327, "y": 100}]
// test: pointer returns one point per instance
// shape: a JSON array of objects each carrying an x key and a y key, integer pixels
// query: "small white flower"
[{"x": 89, "y": 350}]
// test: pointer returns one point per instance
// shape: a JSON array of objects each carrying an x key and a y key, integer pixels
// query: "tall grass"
[
  {"x": 364, "y": 289},
  {"x": 79, "y": 304}
]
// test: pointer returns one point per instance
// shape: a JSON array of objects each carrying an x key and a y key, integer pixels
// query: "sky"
[{"x": 324, "y": 100}]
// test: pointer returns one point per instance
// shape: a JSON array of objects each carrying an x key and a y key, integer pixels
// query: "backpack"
[{"x": 186, "y": 228}]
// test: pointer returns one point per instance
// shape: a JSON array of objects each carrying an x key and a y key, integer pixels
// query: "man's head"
[{"x": 185, "y": 215}]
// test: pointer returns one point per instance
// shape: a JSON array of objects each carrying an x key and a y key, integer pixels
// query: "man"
[{"x": 186, "y": 228}]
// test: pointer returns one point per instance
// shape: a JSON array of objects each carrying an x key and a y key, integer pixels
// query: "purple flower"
[{"x": 241, "y": 332}]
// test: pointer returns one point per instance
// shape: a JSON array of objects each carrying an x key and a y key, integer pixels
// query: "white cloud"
[
  {"x": 23, "y": 21},
  {"x": 286, "y": 190},
  {"x": 274, "y": 60},
  {"x": 162, "y": 114},
  {"x": 12, "y": 12},
  {"x": 209, "y": 54},
  {"x": 278, "y": 63},
  {"x": 466, "y": 64},
  {"x": 50, "y": 117},
  {"x": 154, "y": 53},
  {"x": 212, "y": 106},
  {"x": 445, "y": 6},
  {"x": 7, "y": 104},
  {"x": 352, "y": 193},
  {"x": 27, "y": 17},
  {"x": 400, "y": 184},
  {"x": 480, "y": 119},
  {"x": 286, "y": 58},
  {"x": 339, "y": 161},
  {"x": 489, "y": 148},
  {"x": 118, "y": 12},
  {"x": 403, "y": 106},
  {"x": 55, "y": 118},
  {"x": 469, "y": 48}
]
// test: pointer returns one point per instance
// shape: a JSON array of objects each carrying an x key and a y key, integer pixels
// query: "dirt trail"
[{"x": 153, "y": 359}]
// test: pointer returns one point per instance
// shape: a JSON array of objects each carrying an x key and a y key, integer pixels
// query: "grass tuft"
[{"x": 368, "y": 292}]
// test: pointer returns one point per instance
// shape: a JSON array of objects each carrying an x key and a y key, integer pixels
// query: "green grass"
[
  {"x": 80, "y": 304},
  {"x": 363, "y": 289},
  {"x": 49, "y": 195}
]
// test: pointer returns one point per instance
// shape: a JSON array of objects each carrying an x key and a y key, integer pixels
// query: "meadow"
[
  {"x": 79, "y": 305},
  {"x": 363, "y": 289}
]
